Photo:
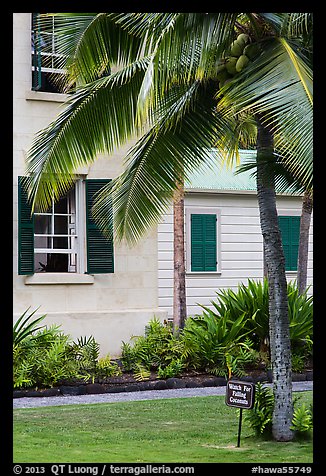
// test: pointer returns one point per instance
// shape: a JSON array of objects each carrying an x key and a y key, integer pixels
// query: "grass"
[{"x": 183, "y": 430}]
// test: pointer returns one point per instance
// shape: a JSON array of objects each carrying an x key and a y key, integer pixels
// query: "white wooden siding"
[{"x": 240, "y": 242}]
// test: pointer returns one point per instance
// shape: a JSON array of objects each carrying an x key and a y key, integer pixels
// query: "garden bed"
[{"x": 127, "y": 383}]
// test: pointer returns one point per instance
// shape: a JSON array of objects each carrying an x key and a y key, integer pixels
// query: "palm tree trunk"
[
  {"x": 179, "y": 276},
  {"x": 304, "y": 241},
  {"x": 279, "y": 331}
]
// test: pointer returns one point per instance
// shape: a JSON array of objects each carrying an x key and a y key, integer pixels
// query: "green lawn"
[{"x": 185, "y": 430}]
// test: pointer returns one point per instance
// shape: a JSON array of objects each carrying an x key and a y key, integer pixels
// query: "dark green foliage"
[
  {"x": 207, "y": 343},
  {"x": 250, "y": 300},
  {"x": 173, "y": 369},
  {"x": 300, "y": 317}
]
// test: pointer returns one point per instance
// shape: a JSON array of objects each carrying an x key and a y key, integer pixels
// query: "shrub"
[
  {"x": 23, "y": 329},
  {"x": 251, "y": 301},
  {"x": 155, "y": 349},
  {"x": 260, "y": 417},
  {"x": 301, "y": 318},
  {"x": 42, "y": 359},
  {"x": 216, "y": 343},
  {"x": 43, "y": 356},
  {"x": 86, "y": 352},
  {"x": 302, "y": 422},
  {"x": 173, "y": 369}
]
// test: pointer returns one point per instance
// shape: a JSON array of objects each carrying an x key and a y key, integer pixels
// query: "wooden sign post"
[{"x": 241, "y": 395}]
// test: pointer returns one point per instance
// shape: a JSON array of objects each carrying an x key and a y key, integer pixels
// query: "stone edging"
[{"x": 187, "y": 382}]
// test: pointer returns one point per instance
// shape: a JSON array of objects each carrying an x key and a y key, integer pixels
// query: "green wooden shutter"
[
  {"x": 210, "y": 242},
  {"x": 100, "y": 257},
  {"x": 203, "y": 242},
  {"x": 290, "y": 230},
  {"x": 294, "y": 240},
  {"x": 197, "y": 243},
  {"x": 25, "y": 232}
]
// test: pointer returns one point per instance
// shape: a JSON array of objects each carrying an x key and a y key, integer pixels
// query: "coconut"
[
  {"x": 223, "y": 75},
  {"x": 251, "y": 50},
  {"x": 237, "y": 48},
  {"x": 241, "y": 63},
  {"x": 243, "y": 38},
  {"x": 230, "y": 64}
]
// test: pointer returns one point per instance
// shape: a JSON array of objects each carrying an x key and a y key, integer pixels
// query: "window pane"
[
  {"x": 42, "y": 242},
  {"x": 51, "y": 262},
  {"x": 61, "y": 243},
  {"x": 42, "y": 224},
  {"x": 61, "y": 206},
  {"x": 40, "y": 260},
  {"x": 61, "y": 225}
]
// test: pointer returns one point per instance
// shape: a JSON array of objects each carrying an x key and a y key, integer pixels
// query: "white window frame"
[
  {"x": 77, "y": 238},
  {"x": 202, "y": 211}
]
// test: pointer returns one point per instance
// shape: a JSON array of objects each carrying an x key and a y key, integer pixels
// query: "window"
[
  {"x": 290, "y": 231},
  {"x": 203, "y": 242},
  {"x": 54, "y": 241},
  {"x": 47, "y": 72}
]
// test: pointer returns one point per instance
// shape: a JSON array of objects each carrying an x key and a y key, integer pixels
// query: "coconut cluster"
[{"x": 241, "y": 52}]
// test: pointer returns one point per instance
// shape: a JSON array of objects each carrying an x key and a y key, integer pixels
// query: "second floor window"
[{"x": 47, "y": 72}]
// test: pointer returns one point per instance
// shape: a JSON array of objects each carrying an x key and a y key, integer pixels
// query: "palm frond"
[
  {"x": 97, "y": 118},
  {"x": 170, "y": 149}
]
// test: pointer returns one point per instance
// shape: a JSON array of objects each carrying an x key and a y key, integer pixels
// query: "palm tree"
[
  {"x": 167, "y": 92},
  {"x": 179, "y": 271}
]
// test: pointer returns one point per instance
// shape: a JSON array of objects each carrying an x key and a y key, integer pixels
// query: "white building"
[
  {"x": 235, "y": 248},
  {"x": 62, "y": 264}
]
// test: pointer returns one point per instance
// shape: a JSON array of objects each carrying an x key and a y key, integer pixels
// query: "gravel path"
[{"x": 33, "y": 402}]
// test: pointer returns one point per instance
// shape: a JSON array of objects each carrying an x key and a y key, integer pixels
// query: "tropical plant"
[
  {"x": 24, "y": 328},
  {"x": 216, "y": 343},
  {"x": 156, "y": 348},
  {"x": 251, "y": 299},
  {"x": 167, "y": 92},
  {"x": 260, "y": 416},
  {"x": 300, "y": 315},
  {"x": 43, "y": 359},
  {"x": 302, "y": 422},
  {"x": 43, "y": 356},
  {"x": 86, "y": 352},
  {"x": 173, "y": 369}
]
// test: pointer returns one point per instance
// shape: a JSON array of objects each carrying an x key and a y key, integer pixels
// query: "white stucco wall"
[
  {"x": 112, "y": 307},
  {"x": 240, "y": 243}
]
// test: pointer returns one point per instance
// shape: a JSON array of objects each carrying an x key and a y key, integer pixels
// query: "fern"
[
  {"x": 173, "y": 369},
  {"x": 261, "y": 415},
  {"x": 302, "y": 421},
  {"x": 141, "y": 373}
]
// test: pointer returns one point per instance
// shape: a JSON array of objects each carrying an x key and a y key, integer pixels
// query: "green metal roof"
[{"x": 214, "y": 176}]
